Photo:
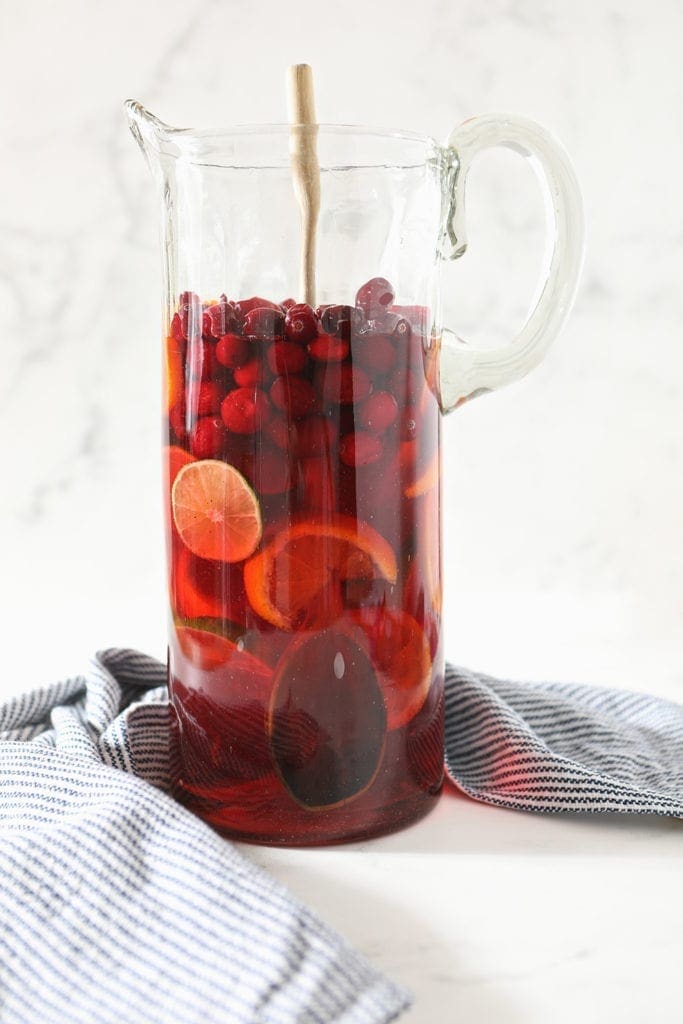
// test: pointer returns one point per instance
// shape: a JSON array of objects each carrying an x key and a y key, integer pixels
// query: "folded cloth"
[
  {"x": 118, "y": 905},
  {"x": 562, "y": 747}
]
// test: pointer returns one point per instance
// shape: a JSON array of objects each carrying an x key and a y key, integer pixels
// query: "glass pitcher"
[{"x": 302, "y": 461}]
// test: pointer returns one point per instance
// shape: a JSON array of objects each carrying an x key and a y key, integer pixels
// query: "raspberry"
[
  {"x": 232, "y": 351},
  {"x": 286, "y": 357},
  {"x": 244, "y": 410},
  {"x": 293, "y": 395},
  {"x": 378, "y": 412},
  {"x": 328, "y": 349},
  {"x": 360, "y": 449},
  {"x": 207, "y": 437}
]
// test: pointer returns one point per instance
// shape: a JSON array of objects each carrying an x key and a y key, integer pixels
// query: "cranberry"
[
  {"x": 328, "y": 349},
  {"x": 287, "y": 304},
  {"x": 207, "y": 437},
  {"x": 218, "y": 320},
  {"x": 190, "y": 312},
  {"x": 376, "y": 354},
  {"x": 281, "y": 432},
  {"x": 315, "y": 436},
  {"x": 208, "y": 398},
  {"x": 340, "y": 320},
  {"x": 360, "y": 449},
  {"x": 247, "y": 305},
  {"x": 232, "y": 351},
  {"x": 300, "y": 323},
  {"x": 378, "y": 412},
  {"x": 343, "y": 383},
  {"x": 244, "y": 410},
  {"x": 201, "y": 360},
  {"x": 271, "y": 474},
  {"x": 177, "y": 419},
  {"x": 293, "y": 395},
  {"x": 405, "y": 383},
  {"x": 286, "y": 357},
  {"x": 390, "y": 323},
  {"x": 374, "y": 296},
  {"x": 264, "y": 324}
]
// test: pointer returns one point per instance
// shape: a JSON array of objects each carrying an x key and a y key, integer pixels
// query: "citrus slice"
[
  {"x": 174, "y": 460},
  {"x": 428, "y": 479},
  {"x": 215, "y": 511},
  {"x": 302, "y": 566},
  {"x": 174, "y": 372},
  {"x": 400, "y": 653}
]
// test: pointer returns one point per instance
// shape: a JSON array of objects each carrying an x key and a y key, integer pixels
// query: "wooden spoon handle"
[{"x": 305, "y": 170}]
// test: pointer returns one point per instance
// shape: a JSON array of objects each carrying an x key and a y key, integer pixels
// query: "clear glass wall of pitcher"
[{"x": 302, "y": 463}]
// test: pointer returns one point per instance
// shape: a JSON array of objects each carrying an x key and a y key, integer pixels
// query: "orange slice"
[
  {"x": 215, "y": 511},
  {"x": 428, "y": 479},
  {"x": 400, "y": 652},
  {"x": 300, "y": 569},
  {"x": 174, "y": 372},
  {"x": 174, "y": 459}
]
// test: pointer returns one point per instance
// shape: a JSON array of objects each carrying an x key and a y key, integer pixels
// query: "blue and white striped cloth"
[{"x": 118, "y": 905}]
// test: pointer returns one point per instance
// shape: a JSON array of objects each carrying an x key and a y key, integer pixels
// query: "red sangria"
[{"x": 305, "y": 662}]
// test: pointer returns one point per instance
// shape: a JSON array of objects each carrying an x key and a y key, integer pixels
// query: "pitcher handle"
[{"x": 465, "y": 372}]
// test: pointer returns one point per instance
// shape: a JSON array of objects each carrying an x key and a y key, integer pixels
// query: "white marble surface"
[{"x": 564, "y": 494}]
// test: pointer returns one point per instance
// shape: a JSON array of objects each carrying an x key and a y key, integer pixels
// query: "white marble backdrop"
[{"x": 564, "y": 494}]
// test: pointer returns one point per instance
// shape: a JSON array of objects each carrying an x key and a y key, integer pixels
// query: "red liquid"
[{"x": 306, "y": 677}]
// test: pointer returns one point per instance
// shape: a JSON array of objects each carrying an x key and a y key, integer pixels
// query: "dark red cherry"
[{"x": 374, "y": 296}]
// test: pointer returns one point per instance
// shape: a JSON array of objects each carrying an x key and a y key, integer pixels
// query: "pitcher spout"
[{"x": 153, "y": 136}]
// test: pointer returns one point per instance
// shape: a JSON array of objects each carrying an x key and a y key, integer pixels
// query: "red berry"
[
  {"x": 244, "y": 410},
  {"x": 281, "y": 432},
  {"x": 392, "y": 324},
  {"x": 360, "y": 449},
  {"x": 207, "y": 437},
  {"x": 341, "y": 320},
  {"x": 378, "y": 412},
  {"x": 177, "y": 419},
  {"x": 218, "y": 319},
  {"x": 286, "y": 357},
  {"x": 374, "y": 296},
  {"x": 200, "y": 360},
  {"x": 376, "y": 354},
  {"x": 343, "y": 383},
  {"x": 315, "y": 436},
  {"x": 249, "y": 375},
  {"x": 264, "y": 323},
  {"x": 190, "y": 312},
  {"x": 287, "y": 304},
  {"x": 208, "y": 398},
  {"x": 272, "y": 472},
  {"x": 300, "y": 323},
  {"x": 328, "y": 349},
  {"x": 232, "y": 351},
  {"x": 405, "y": 383},
  {"x": 247, "y": 305},
  {"x": 293, "y": 395}
]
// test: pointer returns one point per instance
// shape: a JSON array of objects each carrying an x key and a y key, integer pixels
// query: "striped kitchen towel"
[{"x": 118, "y": 905}]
